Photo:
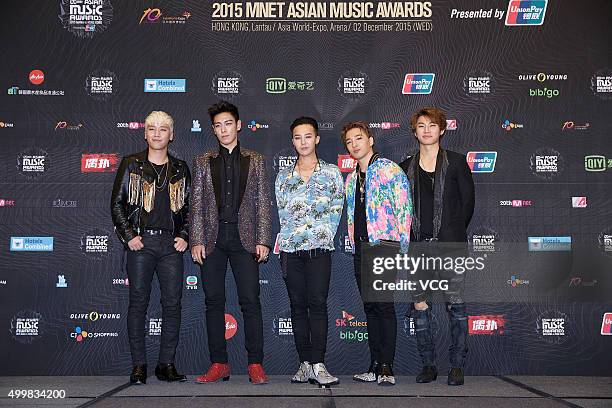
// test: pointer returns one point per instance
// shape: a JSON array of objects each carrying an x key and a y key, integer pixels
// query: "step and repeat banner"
[{"x": 527, "y": 88}]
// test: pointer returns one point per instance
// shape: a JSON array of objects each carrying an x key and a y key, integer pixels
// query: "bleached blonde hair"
[{"x": 160, "y": 117}]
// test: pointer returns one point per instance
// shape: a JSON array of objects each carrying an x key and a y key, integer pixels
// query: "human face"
[
  {"x": 358, "y": 144},
  {"x": 226, "y": 129},
  {"x": 427, "y": 132},
  {"x": 158, "y": 135},
  {"x": 305, "y": 139}
]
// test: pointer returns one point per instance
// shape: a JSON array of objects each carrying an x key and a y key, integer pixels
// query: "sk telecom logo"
[
  {"x": 418, "y": 84},
  {"x": 482, "y": 162},
  {"x": 526, "y": 12},
  {"x": 346, "y": 163},
  {"x": 99, "y": 163}
]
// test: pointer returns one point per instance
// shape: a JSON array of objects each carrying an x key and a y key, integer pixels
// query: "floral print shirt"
[
  {"x": 388, "y": 203},
  {"x": 309, "y": 213}
]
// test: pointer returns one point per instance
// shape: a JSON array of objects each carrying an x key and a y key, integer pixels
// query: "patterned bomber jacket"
[{"x": 388, "y": 203}]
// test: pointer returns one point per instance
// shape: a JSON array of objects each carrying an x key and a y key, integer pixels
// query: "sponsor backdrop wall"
[{"x": 527, "y": 87}]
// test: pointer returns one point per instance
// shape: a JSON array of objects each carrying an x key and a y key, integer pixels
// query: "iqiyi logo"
[
  {"x": 596, "y": 162},
  {"x": 546, "y": 92},
  {"x": 276, "y": 85}
]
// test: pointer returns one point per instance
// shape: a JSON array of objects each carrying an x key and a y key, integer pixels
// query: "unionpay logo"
[
  {"x": 606, "y": 325},
  {"x": 526, "y": 12},
  {"x": 482, "y": 162},
  {"x": 418, "y": 84}
]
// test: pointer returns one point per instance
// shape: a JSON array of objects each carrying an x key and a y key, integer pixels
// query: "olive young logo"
[
  {"x": 84, "y": 18},
  {"x": 353, "y": 84},
  {"x": 26, "y": 326},
  {"x": 101, "y": 84},
  {"x": 546, "y": 163},
  {"x": 95, "y": 316},
  {"x": 478, "y": 84},
  {"x": 601, "y": 84},
  {"x": 542, "y": 77}
]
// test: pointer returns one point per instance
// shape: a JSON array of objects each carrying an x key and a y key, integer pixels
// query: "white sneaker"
[
  {"x": 385, "y": 376},
  {"x": 319, "y": 375},
  {"x": 303, "y": 373}
]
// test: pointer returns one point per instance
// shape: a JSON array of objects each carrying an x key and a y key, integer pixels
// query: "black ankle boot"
[
  {"x": 427, "y": 375},
  {"x": 167, "y": 372},
  {"x": 139, "y": 374},
  {"x": 455, "y": 376}
]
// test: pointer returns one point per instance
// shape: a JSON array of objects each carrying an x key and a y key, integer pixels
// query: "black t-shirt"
[
  {"x": 361, "y": 226},
  {"x": 426, "y": 198},
  {"x": 161, "y": 217}
]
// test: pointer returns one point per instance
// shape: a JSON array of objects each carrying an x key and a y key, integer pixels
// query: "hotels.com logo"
[
  {"x": 231, "y": 326},
  {"x": 99, "y": 163},
  {"x": 346, "y": 163},
  {"x": 37, "y": 77}
]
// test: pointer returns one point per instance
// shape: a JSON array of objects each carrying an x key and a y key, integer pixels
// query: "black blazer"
[{"x": 457, "y": 199}]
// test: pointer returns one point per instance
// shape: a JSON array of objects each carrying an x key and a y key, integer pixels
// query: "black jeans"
[
  {"x": 157, "y": 256},
  {"x": 307, "y": 276},
  {"x": 382, "y": 321},
  {"x": 246, "y": 276}
]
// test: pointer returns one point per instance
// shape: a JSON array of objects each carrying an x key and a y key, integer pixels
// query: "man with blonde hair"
[{"x": 149, "y": 207}]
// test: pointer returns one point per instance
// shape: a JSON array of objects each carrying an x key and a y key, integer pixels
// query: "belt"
[
  {"x": 311, "y": 252},
  {"x": 156, "y": 231}
]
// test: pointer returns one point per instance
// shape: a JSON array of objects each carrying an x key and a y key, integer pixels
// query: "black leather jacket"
[{"x": 134, "y": 192}]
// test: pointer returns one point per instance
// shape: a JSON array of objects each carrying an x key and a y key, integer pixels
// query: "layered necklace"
[{"x": 159, "y": 186}]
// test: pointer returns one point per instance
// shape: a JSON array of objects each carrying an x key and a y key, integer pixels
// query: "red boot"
[
  {"x": 216, "y": 372},
  {"x": 257, "y": 375}
]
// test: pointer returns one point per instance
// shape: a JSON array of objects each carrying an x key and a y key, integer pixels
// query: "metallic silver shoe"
[
  {"x": 303, "y": 373},
  {"x": 385, "y": 376},
  {"x": 370, "y": 375},
  {"x": 319, "y": 375}
]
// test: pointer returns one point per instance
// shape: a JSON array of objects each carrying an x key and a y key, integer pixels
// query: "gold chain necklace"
[{"x": 163, "y": 185}]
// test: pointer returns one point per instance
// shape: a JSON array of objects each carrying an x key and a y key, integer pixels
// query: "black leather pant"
[{"x": 157, "y": 256}]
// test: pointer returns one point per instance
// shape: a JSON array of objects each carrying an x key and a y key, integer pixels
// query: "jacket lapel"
[
  {"x": 245, "y": 161},
  {"x": 215, "y": 173}
]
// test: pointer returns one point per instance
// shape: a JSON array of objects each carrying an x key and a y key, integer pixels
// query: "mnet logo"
[
  {"x": 99, "y": 163},
  {"x": 596, "y": 163},
  {"x": 579, "y": 202},
  {"x": 526, "y": 12},
  {"x": 276, "y": 85},
  {"x": 481, "y": 162},
  {"x": 606, "y": 325},
  {"x": 165, "y": 85},
  {"x": 346, "y": 163},
  {"x": 418, "y": 84}
]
